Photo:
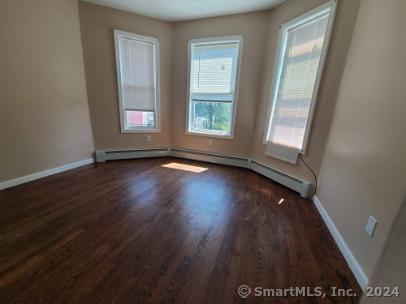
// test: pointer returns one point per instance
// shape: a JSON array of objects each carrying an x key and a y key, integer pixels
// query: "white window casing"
[
  {"x": 137, "y": 62},
  {"x": 299, "y": 63},
  {"x": 213, "y": 78}
]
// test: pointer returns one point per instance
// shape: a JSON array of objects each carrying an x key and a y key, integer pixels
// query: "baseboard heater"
[
  {"x": 103, "y": 155},
  {"x": 210, "y": 157},
  {"x": 304, "y": 188}
]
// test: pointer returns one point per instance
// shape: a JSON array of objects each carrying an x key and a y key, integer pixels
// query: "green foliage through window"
[{"x": 214, "y": 116}]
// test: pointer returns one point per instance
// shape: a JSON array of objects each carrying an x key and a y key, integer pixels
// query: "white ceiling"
[{"x": 176, "y": 10}]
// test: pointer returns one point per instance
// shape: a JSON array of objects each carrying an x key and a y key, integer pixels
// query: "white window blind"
[
  {"x": 213, "y": 71},
  {"x": 137, "y": 77},
  {"x": 137, "y": 80},
  {"x": 212, "y": 85},
  {"x": 293, "y": 94}
]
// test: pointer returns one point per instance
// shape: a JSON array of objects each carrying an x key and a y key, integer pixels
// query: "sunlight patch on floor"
[{"x": 190, "y": 168}]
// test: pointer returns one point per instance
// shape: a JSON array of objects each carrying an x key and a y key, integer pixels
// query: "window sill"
[
  {"x": 196, "y": 133},
  {"x": 140, "y": 130}
]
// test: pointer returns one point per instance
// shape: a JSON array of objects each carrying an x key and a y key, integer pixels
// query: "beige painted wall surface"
[
  {"x": 259, "y": 30},
  {"x": 44, "y": 116},
  {"x": 364, "y": 166},
  {"x": 334, "y": 65},
  {"x": 252, "y": 27},
  {"x": 391, "y": 268},
  {"x": 97, "y": 25}
]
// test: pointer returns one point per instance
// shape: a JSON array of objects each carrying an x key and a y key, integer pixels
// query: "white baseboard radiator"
[
  {"x": 210, "y": 157},
  {"x": 104, "y": 155},
  {"x": 304, "y": 188}
]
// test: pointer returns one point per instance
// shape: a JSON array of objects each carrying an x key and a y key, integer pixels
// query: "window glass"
[
  {"x": 212, "y": 85},
  {"x": 137, "y": 81}
]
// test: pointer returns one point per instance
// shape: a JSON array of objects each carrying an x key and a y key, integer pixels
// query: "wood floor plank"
[{"x": 135, "y": 231}]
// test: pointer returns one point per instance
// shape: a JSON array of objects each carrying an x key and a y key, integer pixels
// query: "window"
[
  {"x": 137, "y": 76},
  {"x": 302, "y": 47},
  {"x": 213, "y": 71}
]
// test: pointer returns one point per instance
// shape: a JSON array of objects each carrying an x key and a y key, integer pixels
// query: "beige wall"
[
  {"x": 335, "y": 60},
  {"x": 97, "y": 25},
  {"x": 260, "y": 32},
  {"x": 252, "y": 27},
  {"x": 391, "y": 268},
  {"x": 364, "y": 166},
  {"x": 44, "y": 117}
]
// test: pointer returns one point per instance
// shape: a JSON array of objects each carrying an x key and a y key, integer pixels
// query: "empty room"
[{"x": 203, "y": 151}]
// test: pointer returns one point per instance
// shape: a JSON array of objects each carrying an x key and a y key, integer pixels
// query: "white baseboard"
[
  {"x": 342, "y": 245},
  {"x": 37, "y": 175}
]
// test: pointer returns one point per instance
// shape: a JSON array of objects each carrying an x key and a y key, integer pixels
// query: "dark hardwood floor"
[{"x": 138, "y": 232}]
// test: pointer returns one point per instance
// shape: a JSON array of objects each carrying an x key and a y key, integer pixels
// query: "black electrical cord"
[{"x": 314, "y": 174}]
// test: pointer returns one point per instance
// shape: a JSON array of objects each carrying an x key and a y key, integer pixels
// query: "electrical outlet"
[
  {"x": 371, "y": 225},
  {"x": 149, "y": 138},
  {"x": 210, "y": 142}
]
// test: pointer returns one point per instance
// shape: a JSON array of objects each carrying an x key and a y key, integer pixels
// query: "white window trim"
[
  {"x": 142, "y": 38},
  {"x": 278, "y": 66},
  {"x": 215, "y": 40}
]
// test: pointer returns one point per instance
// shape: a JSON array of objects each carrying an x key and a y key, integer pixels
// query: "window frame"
[
  {"x": 214, "y": 40},
  {"x": 278, "y": 64},
  {"x": 155, "y": 42}
]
